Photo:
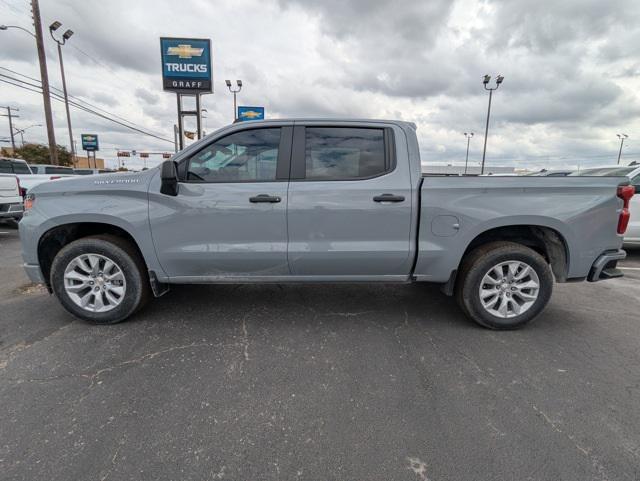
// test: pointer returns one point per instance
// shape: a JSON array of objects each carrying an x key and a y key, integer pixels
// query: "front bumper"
[
  {"x": 605, "y": 266},
  {"x": 34, "y": 273}
]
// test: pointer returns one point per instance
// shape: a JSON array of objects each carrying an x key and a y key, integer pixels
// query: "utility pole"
[
  {"x": 485, "y": 81},
  {"x": 22, "y": 131},
  {"x": 10, "y": 115},
  {"x": 468, "y": 135},
  {"x": 620, "y": 136},
  {"x": 65, "y": 36},
  {"x": 42, "y": 57}
]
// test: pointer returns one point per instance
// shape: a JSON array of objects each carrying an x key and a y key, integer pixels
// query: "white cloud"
[{"x": 571, "y": 69}]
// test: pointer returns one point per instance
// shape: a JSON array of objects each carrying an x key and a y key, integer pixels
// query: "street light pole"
[
  {"x": 466, "y": 160},
  {"x": 65, "y": 36},
  {"x": 44, "y": 77},
  {"x": 204, "y": 121},
  {"x": 621, "y": 137},
  {"x": 234, "y": 92},
  {"x": 485, "y": 82}
]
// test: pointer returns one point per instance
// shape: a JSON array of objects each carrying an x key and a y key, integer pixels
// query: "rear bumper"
[
  {"x": 8, "y": 211},
  {"x": 605, "y": 266}
]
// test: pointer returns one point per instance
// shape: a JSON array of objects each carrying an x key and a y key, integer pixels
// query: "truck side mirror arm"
[{"x": 169, "y": 178}]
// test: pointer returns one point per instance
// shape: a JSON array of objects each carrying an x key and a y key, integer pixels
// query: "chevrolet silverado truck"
[{"x": 298, "y": 201}]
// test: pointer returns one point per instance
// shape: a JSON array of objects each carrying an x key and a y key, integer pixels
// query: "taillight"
[
  {"x": 21, "y": 191},
  {"x": 54, "y": 177},
  {"x": 29, "y": 200},
  {"x": 625, "y": 192}
]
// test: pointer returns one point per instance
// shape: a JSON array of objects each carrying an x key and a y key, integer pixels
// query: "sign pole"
[
  {"x": 180, "y": 130},
  {"x": 198, "y": 117}
]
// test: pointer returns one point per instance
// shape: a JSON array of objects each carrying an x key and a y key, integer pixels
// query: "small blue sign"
[
  {"x": 89, "y": 142},
  {"x": 250, "y": 113},
  {"x": 186, "y": 65}
]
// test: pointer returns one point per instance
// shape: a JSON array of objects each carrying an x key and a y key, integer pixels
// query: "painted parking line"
[{"x": 630, "y": 268}]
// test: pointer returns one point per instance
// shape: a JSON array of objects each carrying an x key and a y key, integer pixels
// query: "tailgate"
[{"x": 9, "y": 186}]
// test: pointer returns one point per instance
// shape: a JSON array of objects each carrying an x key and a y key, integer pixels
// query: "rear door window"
[
  {"x": 344, "y": 153},
  {"x": 20, "y": 168}
]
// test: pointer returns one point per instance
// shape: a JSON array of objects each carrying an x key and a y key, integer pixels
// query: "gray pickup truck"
[{"x": 320, "y": 201}]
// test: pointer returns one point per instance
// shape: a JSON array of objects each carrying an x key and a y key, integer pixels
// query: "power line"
[
  {"x": 15, "y": 8},
  {"x": 98, "y": 62},
  {"x": 77, "y": 98},
  {"x": 37, "y": 88}
]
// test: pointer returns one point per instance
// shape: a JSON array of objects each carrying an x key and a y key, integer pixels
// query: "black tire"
[
  {"x": 478, "y": 263},
  {"x": 12, "y": 223},
  {"x": 119, "y": 250}
]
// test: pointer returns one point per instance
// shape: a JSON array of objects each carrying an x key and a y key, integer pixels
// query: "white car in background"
[
  {"x": 27, "y": 177},
  {"x": 632, "y": 236},
  {"x": 11, "y": 205},
  {"x": 48, "y": 169}
]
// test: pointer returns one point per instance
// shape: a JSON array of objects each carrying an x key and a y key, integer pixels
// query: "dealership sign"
[
  {"x": 89, "y": 142},
  {"x": 186, "y": 65},
  {"x": 250, "y": 113}
]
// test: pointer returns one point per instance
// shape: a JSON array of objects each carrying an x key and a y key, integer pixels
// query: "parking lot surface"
[{"x": 319, "y": 382}]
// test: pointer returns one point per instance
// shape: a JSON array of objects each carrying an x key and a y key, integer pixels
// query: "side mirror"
[
  {"x": 169, "y": 178},
  {"x": 637, "y": 189}
]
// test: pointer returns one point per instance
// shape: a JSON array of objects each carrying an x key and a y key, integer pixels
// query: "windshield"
[{"x": 604, "y": 172}]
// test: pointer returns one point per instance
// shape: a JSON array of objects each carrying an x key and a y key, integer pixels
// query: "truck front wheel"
[
  {"x": 100, "y": 279},
  {"x": 503, "y": 285}
]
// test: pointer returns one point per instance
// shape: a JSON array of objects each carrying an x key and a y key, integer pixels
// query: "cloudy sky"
[{"x": 571, "y": 68}]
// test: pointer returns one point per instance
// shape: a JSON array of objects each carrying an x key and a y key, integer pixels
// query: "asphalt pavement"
[{"x": 319, "y": 382}]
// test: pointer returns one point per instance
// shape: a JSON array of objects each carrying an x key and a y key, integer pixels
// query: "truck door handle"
[
  {"x": 265, "y": 198},
  {"x": 388, "y": 198}
]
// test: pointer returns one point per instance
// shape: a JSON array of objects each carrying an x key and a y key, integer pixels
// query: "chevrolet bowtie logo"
[
  {"x": 185, "y": 51},
  {"x": 252, "y": 114}
]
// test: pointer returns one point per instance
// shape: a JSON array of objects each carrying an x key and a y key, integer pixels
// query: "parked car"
[
  {"x": 48, "y": 169},
  {"x": 10, "y": 197},
  {"x": 25, "y": 175},
  {"x": 319, "y": 201},
  {"x": 632, "y": 172},
  {"x": 551, "y": 173},
  {"x": 91, "y": 171}
]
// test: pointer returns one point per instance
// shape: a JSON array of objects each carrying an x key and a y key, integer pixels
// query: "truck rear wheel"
[
  {"x": 100, "y": 279},
  {"x": 504, "y": 285}
]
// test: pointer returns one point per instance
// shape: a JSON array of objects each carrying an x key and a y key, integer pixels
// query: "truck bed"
[{"x": 455, "y": 210}]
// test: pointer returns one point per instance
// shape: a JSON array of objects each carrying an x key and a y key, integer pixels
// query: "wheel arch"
[
  {"x": 549, "y": 242},
  {"x": 545, "y": 240},
  {"x": 54, "y": 239}
]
